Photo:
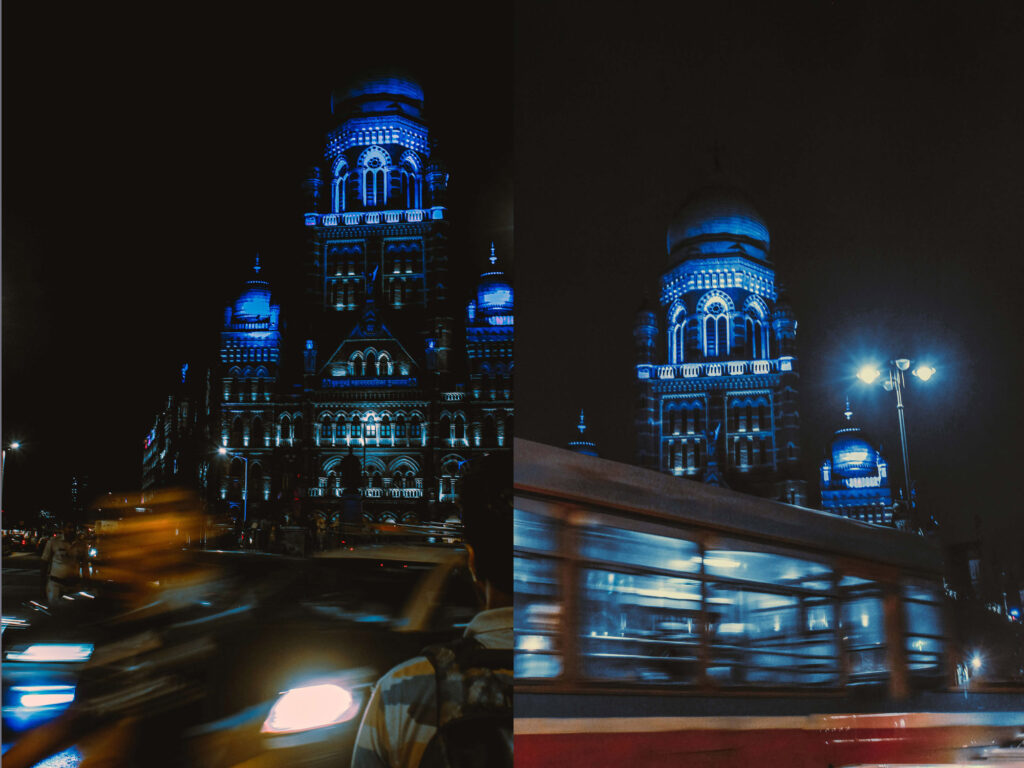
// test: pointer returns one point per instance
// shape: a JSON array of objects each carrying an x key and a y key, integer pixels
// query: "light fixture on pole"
[
  {"x": 245, "y": 481},
  {"x": 3, "y": 463},
  {"x": 897, "y": 382}
]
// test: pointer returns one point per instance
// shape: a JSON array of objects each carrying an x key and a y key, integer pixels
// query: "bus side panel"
[{"x": 670, "y": 749}]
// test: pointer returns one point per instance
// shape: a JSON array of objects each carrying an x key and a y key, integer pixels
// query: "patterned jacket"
[{"x": 401, "y": 717}]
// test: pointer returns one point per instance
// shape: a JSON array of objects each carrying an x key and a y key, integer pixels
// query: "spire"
[
  {"x": 580, "y": 444},
  {"x": 848, "y": 413},
  {"x": 256, "y": 266},
  {"x": 493, "y": 258}
]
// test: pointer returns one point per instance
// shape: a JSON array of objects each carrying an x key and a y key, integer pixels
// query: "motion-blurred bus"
[{"x": 664, "y": 622}]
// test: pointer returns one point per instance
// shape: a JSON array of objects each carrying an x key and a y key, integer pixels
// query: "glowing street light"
[
  {"x": 868, "y": 373},
  {"x": 3, "y": 463},
  {"x": 976, "y": 662},
  {"x": 896, "y": 381},
  {"x": 245, "y": 481}
]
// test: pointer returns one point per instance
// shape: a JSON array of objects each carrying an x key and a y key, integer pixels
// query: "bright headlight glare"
[
  {"x": 53, "y": 652},
  {"x": 313, "y": 706},
  {"x": 32, "y": 696}
]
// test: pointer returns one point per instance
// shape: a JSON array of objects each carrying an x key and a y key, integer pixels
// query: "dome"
[
  {"x": 719, "y": 215},
  {"x": 380, "y": 92},
  {"x": 254, "y": 301},
  {"x": 852, "y": 454},
  {"x": 495, "y": 297}
]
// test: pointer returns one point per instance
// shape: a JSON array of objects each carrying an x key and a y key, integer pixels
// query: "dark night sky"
[
  {"x": 882, "y": 144},
  {"x": 149, "y": 153}
]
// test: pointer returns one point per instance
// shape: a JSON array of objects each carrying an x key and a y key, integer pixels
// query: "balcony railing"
[{"x": 724, "y": 368}]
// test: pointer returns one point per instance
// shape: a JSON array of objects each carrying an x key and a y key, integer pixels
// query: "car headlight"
[
  {"x": 33, "y": 696},
  {"x": 52, "y": 652},
  {"x": 312, "y": 706}
]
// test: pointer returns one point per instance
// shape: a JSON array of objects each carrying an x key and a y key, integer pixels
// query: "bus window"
[
  {"x": 537, "y": 603},
  {"x": 641, "y": 627},
  {"x": 618, "y": 545},
  {"x": 783, "y": 634},
  {"x": 923, "y": 620},
  {"x": 863, "y": 629}
]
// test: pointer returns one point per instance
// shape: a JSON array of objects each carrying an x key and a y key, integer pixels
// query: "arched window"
[
  {"x": 400, "y": 427},
  {"x": 677, "y": 343},
  {"x": 357, "y": 427},
  {"x": 716, "y": 330},
  {"x": 257, "y": 432},
  {"x": 256, "y": 482},
  {"x": 385, "y": 426},
  {"x": 416, "y": 427},
  {"x": 298, "y": 429},
  {"x": 371, "y": 363},
  {"x": 325, "y": 430},
  {"x": 445, "y": 430},
  {"x": 339, "y": 179},
  {"x": 374, "y": 166},
  {"x": 490, "y": 432},
  {"x": 460, "y": 427},
  {"x": 236, "y": 433}
]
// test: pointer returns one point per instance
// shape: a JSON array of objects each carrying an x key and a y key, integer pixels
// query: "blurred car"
[{"x": 285, "y": 650}]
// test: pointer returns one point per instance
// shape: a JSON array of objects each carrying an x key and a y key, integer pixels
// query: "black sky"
[
  {"x": 882, "y": 144},
  {"x": 150, "y": 151}
]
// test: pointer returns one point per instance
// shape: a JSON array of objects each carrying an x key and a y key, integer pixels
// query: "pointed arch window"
[
  {"x": 716, "y": 329},
  {"x": 257, "y": 432}
]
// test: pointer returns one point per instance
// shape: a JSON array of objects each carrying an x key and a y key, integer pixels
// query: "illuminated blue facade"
[
  {"x": 854, "y": 477},
  {"x": 376, "y": 361},
  {"x": 716, "y": 365}
]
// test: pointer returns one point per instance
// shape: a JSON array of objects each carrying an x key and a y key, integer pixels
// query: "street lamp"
[
  {"x": 245, "y": 481},
  {"x": 897, "y": 382},
  {"x": 3, "y": 463}
]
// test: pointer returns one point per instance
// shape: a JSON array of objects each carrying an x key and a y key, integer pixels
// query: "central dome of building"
[
  {"x": 718, "y": 216},
  {"x": 377, "y": 92}
]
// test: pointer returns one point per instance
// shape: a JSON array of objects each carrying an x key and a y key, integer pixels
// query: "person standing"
[
  {"x": 64, "y": 556},
  {"x": 416, "y": 706}
]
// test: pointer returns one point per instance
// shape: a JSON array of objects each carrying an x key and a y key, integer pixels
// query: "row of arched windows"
[
  {"x": 716, "y": 330},
  {"x": 377, "y": 182},
  {"x": 749, "y": 416},
  {"x": 684, "y": 418}
]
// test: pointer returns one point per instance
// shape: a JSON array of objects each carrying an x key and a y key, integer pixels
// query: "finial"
[
  {"x": 256, "y": 267},
  {"x": 848, "y": 413},
  {"x": 716, "y": 156},
  {"x": 494, "y": 259},
  {"x": 581, "y": 426}
]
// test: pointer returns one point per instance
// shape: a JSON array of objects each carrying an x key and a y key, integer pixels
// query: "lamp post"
[
  {"x": 245, "y": 481},
  {"x": 897, "y": 382},
  {"x": 3, "y": 463}
]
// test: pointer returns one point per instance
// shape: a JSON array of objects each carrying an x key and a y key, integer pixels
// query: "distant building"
[
  {"x": 79, "y": 496},
  {"x": 370, "y": 354},
  {"x": 854, "y": 476},
  {"x": 716, "y": 365}
]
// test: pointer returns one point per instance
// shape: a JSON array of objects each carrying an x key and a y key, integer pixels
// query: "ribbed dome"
[
  {"x": 379, "y": 92},
  {"x": 495, "y": 297},
  {"x": 254, "y": 301},
  {"x": 852, "y": 454},
  {"x": 718, "y": 214}
]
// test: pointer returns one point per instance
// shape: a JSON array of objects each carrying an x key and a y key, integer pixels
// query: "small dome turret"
[{"x": 495, "y": 298}]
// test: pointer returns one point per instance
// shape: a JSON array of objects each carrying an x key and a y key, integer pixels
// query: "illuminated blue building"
[
  {"x": 855, "y": 477},
  {"x": 377, "y": 360},
  {"x": 716, "y": 365}
]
